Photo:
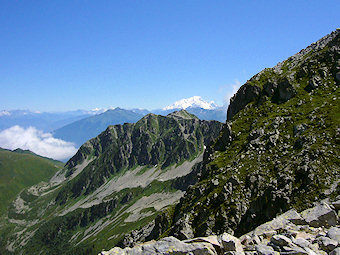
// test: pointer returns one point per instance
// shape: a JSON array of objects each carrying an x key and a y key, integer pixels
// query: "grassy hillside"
[{"x": 21, "y": 169}]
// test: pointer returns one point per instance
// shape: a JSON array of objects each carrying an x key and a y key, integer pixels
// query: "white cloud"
[
  {"x": 232, "y": 89},
  {"x": 5, "y": 113},
  {"x": 41, "y": 143}
]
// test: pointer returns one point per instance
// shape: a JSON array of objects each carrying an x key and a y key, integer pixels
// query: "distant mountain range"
[
  {"x": 81, "y": 125},
  {"x": 82, "y": 130},
  {"x": 45, "y": 121}
]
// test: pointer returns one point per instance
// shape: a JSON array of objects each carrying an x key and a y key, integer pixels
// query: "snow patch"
[{"x": 195, "y": 101}]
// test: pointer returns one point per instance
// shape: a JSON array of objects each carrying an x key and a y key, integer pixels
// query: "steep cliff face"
[
  {"x": 115, "y": 183},
  {"x": 279, "y": 149}
]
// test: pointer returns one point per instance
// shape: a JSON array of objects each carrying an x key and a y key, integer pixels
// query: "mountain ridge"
[{"x": 279, "y": 149}]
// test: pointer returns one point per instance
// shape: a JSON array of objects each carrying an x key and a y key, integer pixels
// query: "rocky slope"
[
  {"x": 278, "y": 150},
  {"x": 116, "y": 182},
  {"x": 313, "y": 231}
]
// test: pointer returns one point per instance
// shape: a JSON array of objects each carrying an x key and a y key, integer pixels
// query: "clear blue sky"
[{"x": 67, "y": 55}]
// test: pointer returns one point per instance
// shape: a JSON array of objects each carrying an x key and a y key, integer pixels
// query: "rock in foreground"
[{"x": 289, "y": 233}]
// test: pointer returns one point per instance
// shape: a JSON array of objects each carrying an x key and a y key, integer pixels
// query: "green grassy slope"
[{"x": 19, "y": 170}]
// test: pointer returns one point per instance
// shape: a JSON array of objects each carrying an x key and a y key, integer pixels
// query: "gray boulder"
[
  {"x": 310, "y": 251},
  {"x": 336, "y": 251},
  {"x": 230, "y": 243},
  {"x": 326, "y": 243},
  {"x": 320, "y": 215},
  {"x": 288, "y": 219},
  {"x": 336, "y": 205},
  {"x": 294, "y": 251},
  {"x": 265, "y": 250},
  {"x": 281, "y": 240},
  {"x": 301, "y": 242},
  {"x": 284, "y": 92},
  {"x": 334, "y": 233}
]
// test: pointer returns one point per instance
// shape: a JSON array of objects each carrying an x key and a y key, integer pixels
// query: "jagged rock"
[
  {"x": 301, "y": 242},
  {"x": 320, "y": 215},
  {"x": 213, "y": 240},
  {"x": 310, "y": 251},
  {"x": 234, "y": 253},
  {"x": 281, "y": 222},
  {"x": 230, "y": 243},
  {"x": 293, "y": 216},
  {"x": 280, "y": 240},
  {"x": 336, "y": 251},
  {"x": 334, "y": 233},
  {"x": 294, "y": 251},
  {"x": 326, "y": 243},
  {"x": 244, "y": 95},
  {"x": 184, "y": 229},
  {"x": 336, "y": 205},
  {"x": 265, "y": 250},
  {"x": 285, "y": 91}
]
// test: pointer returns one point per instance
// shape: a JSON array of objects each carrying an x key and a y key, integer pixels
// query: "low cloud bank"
[{"x": 41, "y": 143}]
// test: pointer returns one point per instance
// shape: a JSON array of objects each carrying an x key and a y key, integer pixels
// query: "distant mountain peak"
[{"x": 195, "y": 101}]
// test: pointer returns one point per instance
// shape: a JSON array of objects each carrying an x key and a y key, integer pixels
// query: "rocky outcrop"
[
  {"x": 279, "y": 83},
  {"x": 289, "y": 233}
]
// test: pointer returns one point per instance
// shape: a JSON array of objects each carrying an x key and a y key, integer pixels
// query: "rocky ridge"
[
  {"x": 278, "y": 150},
  {"x": 313, "y": 231}
]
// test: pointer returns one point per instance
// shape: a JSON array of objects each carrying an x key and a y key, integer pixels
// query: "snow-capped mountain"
[{"x": 195, "y": 101}]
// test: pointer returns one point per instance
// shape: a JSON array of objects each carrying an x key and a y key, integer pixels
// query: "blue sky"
[{"x": 67, "y": 55}]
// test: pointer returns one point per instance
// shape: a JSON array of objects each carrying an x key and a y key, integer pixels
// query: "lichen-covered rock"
[
  {"x": 230, "y": 243},
  {"x": 281, "y": 240},
  {"x": 336, "y": 251},
  {"x": 326, "y": 243},
  {"x": 265, "y": 250},
  {"x": 334, "y": 233},
  {"x": 320, "y": 215}
]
